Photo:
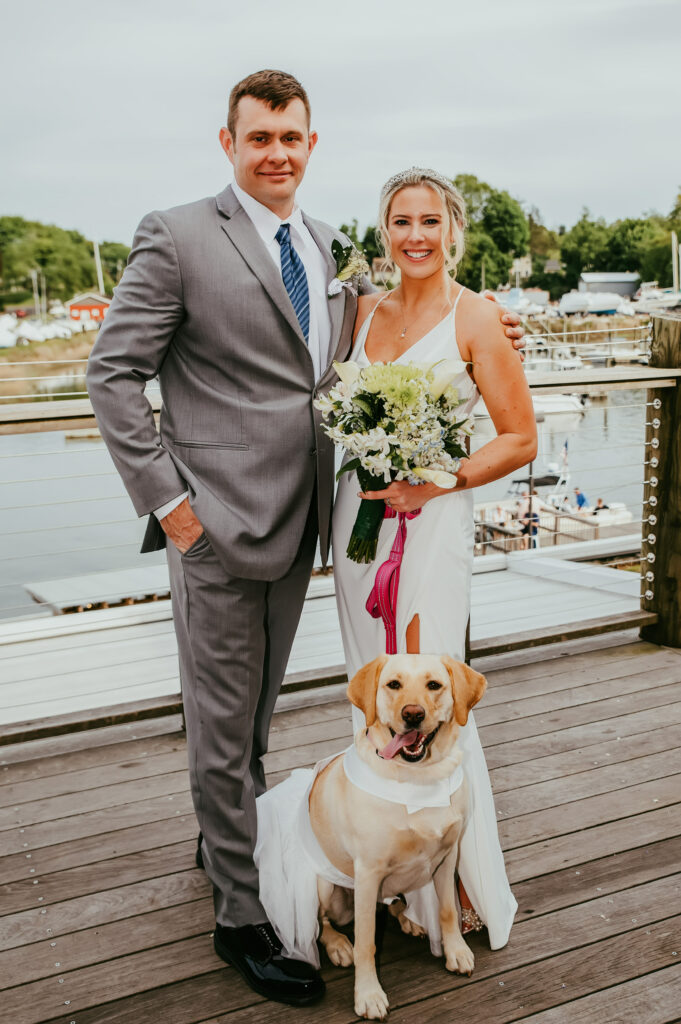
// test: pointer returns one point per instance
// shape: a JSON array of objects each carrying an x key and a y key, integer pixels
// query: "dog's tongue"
[{"x": 397, "y": 742}]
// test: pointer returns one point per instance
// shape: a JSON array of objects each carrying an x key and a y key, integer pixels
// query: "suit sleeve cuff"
[{"x": 166, "y": 509}]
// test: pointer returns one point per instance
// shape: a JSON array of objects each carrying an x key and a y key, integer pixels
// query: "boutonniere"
[{"x": 350, "y": 267}]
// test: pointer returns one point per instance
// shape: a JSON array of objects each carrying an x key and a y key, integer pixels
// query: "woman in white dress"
[{"x": 427, "y": 318}]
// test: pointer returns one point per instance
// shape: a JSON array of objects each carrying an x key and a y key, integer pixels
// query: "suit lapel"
[
  {"x": 337, "y": 303},
  {"x": 238, "y": 227}
]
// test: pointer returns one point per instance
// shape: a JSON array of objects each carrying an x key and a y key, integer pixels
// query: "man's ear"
[
  {"x": 227, "y": 143},
  {"x": 362, "y": 688},
  {"x": 468, "y": 687}
]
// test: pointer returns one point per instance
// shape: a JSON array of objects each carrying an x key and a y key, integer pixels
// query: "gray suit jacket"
[{"x": 203, "y": 306}]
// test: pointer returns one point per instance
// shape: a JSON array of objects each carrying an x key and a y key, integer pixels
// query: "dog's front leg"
[
  {"x": 458, "y": 957},
  {"x": 370, "y": 999}
]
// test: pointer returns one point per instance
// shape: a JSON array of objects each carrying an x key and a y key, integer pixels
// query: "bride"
[{"x": 427, "y": 318}]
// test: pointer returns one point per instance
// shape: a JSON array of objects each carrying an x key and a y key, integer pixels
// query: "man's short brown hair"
[{"x": 276, "y": 88}]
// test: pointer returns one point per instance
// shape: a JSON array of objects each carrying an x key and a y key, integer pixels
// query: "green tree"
[
  {"x": 583, "y": 248},
  {"x": 114, "y": 256},
  {"x": 504, "y": 221}
]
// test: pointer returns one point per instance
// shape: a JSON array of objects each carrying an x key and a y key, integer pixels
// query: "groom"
[{"x": 226, "y": 301}]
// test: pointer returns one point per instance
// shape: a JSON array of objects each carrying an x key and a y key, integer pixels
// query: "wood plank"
[
  {"x": 572, "y": 728},
  {"x": 587, "y": 675},
  {"x": 551, "y": 634},
  {"x": 90, "y": 849},
  {"x": 54, "y": 809},
  {"x": 528, "y": 829},
  {"x": 95, "y": 877},
  {"x": 608, "y": 778},
  {"x": 556, "y": 766},
  {"x": 85, "y": 912},
  {"x": 173, "y": 961},
  {"x": 488, "y": 713},
  {"x": 85, "y": 749},
  {"x": 654, "y": 999},
  {"x": 589, "y": 878},
  {"x": 588, "y": 646},
  {"x": 553, "y": 983},
  {"x": 101, "y": 823},
  {"x": 98, "y": 718},
  {"x": 598, "y": 841},
  {"x": 560, "y": 932},
  {"x": 91, "y": 778},
  {"x": 418, "y": 974}
]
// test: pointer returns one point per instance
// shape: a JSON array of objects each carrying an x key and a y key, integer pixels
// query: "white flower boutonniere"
[{"x": 350, "y": 266}]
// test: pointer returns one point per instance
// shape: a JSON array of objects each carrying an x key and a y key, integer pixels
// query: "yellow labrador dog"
[{"x": 414, "y": 705}]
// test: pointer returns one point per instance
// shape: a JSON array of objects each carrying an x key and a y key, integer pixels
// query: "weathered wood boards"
[{"x": 106, "y": 920}]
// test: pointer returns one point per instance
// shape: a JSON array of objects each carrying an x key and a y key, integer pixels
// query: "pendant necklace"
[{"x": 406, "y": 327}]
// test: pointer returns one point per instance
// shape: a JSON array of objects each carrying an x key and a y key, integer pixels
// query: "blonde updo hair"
[{"x": 453, "y": 205}]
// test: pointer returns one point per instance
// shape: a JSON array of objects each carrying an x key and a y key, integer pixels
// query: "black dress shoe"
[
  {"x": 199, "y": 855},
  {"x": 255, "y": 952}
]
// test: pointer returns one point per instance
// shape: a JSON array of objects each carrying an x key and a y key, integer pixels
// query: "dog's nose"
[{"x": 413, "y": 714}]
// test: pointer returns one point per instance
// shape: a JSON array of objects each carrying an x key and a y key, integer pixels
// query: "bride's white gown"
[{"x": 435, "y": 583}]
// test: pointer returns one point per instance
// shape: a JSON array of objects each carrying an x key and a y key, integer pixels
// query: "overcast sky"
[{"x": 110, "y": 110}]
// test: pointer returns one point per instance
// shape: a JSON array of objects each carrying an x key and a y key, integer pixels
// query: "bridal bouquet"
[{"x": 398, "y": 422}]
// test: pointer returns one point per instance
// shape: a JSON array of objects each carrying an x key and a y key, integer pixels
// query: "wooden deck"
[{"x": 106, "y": 920}]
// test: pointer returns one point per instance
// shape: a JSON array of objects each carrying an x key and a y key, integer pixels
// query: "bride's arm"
[{"x": 502, "y": 383}]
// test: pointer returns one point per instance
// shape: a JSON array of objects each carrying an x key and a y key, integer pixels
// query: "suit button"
[{"x": 313, "y": 451}]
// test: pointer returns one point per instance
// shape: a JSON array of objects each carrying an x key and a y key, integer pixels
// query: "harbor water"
[{"x": 64, "y": 511}]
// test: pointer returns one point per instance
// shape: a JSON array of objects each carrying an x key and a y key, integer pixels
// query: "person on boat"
[{"x": 581, "y": 500}]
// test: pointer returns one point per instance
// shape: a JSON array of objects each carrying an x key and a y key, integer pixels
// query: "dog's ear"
[
  {"x": 362, "y": 688},
  {"x": 468, "y": 687}
]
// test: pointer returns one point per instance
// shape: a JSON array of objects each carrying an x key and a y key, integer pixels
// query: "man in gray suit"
[{"x": 226, "y": 301}]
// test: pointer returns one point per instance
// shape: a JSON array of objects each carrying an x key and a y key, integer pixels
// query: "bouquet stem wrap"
[{"x": 364, "y": 537}]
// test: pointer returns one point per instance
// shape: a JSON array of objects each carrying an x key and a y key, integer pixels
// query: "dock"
[{"x": 106, "y": 920}]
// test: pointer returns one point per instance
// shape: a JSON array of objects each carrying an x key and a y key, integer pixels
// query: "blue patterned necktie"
[{"x": 295, "y": 279}]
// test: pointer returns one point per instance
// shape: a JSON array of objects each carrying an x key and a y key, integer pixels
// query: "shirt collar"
[{"x": 264, "y": 220}]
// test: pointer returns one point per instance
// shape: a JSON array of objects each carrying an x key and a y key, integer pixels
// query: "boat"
[{"x": 594, "y": 303}]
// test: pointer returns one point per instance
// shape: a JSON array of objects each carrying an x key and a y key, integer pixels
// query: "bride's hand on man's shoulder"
[{"x": 512, "y": 325}]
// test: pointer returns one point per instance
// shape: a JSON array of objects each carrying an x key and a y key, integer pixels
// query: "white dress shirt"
[{"x": 267, "y": 223}]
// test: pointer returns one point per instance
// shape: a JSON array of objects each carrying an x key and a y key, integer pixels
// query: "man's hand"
[
  {"x": 513, "y": 328},
  {"x": 182, "y": 526}
]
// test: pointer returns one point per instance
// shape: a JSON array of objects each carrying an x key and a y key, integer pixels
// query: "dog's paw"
[
  {"x": 371, "y": 1002},
  {"x": 459, "y": 958},
  {"x": 410, "y": 927},
  {"x": 339, "y": 950}
]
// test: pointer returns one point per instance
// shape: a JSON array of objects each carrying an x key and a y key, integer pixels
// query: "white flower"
[
  {"x": 335, "y": 287},
  {"x": 437, "y": 477},
  {"x": 447, "y": 370},
  {"x": 348, "y": 372}
]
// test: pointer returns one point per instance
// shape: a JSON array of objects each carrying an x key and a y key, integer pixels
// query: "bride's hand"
[{"x": 403, "y": 496}]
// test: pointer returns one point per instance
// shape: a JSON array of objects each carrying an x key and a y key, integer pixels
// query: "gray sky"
[{"x": 110, "y": 110}]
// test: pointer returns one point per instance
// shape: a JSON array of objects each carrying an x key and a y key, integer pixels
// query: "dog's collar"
[{"x": 415, "y": 796}]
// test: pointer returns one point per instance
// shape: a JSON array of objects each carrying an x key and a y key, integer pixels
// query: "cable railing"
[{"x": 69, "y": 538}]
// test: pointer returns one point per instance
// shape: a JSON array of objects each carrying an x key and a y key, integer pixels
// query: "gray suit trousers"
[{"x": 234, "y": 638}]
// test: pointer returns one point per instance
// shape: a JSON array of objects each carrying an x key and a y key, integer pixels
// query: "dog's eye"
[
  {"x": 394, "y": 684},
  {"x": 434, "y": 685}
]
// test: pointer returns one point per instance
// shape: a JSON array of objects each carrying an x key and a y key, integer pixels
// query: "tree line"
[
  {"x": 499, "y": 230},
  {"x": 65, "y": 259}
]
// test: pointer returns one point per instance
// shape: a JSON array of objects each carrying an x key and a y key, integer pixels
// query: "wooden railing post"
[{"x": 661, "y": 536}]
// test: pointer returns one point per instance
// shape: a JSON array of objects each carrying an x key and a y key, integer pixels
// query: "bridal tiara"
[{"x": 406, "y": 177}]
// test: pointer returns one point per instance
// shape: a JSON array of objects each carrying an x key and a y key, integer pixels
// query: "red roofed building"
[{"x": 88, "y": 306}]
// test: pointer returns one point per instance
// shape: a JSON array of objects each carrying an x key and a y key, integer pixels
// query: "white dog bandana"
[{"x": 415, "y": 796}]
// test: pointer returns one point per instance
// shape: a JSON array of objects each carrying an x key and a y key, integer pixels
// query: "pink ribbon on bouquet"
[{"x": 382, "y": 601}]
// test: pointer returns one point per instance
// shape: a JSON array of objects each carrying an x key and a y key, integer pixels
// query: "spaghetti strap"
[{"x": 456, "y": 300}]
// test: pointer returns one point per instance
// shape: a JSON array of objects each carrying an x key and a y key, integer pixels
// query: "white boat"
[
  {"x": 596, "y": 303},
  {"x": 544, "y": 405},
  {"x": 652, "y": 299}
]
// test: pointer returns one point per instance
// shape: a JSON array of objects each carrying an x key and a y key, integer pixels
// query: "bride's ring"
[{"x": 388, "y": 502}]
